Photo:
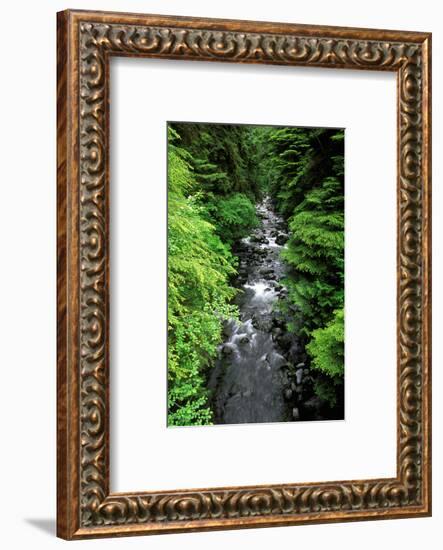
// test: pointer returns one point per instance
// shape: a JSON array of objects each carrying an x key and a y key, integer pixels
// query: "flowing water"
[{"x": 250, "y": 380}]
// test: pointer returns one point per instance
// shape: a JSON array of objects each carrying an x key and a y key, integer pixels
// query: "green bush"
[
  {"x": 307, "y": 180},
  {"x": 326, "y": 347},
  {"x": 315, "y": 254},
  {"x": 234, "y": 216},
  {"x": 199, "y": 296}
]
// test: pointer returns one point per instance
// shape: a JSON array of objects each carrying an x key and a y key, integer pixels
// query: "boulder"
[
  {"x": 227, "y": 349},
  {"x": 314, "y": 405},
  {"x": 299, "y": 376},
  {"x": 287, "y": 393}
]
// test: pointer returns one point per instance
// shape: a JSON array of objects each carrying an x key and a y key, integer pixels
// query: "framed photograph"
[{"x": 244, "y": 269}]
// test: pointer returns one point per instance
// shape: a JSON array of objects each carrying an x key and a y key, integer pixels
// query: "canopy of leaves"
[{"x": 222, "y": 157}]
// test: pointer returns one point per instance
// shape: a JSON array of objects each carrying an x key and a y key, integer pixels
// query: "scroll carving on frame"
[{"x": 86, "y": 42}]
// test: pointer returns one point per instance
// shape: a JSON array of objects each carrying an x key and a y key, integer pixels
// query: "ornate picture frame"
[{"x": 85, "y": 506}]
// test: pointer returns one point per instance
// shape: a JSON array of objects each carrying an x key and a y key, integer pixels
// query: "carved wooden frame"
[{"x": 86, "y": 41}]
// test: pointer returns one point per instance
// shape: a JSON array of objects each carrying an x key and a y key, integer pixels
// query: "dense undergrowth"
[{"x": 216, "y": 175}]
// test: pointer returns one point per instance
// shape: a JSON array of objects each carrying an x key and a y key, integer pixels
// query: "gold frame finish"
[{"x": 86, "y": 42}]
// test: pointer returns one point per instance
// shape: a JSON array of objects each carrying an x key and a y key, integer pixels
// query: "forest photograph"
[{"x": 255, "y": 274}]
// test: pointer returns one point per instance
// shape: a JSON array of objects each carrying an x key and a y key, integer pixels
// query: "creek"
[{"x": 260, "y": 373}]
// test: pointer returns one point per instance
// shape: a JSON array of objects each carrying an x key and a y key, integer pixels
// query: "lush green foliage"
[
  {"x": 315, "y": 253},
  {"x": 234, "y": 216},
  {"x": 199, "y": 295},
  {"x": 327, "y": 346},
  {"x": 306, "y": 167},
  {"x": 216, "y": 174},
  {"x": 222, "y": 157}
]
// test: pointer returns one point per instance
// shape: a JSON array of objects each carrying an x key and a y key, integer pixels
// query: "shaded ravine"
[{"x": 252, "y": 380}]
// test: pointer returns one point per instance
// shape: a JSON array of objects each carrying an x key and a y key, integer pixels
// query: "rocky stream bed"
[{"x": 261, "y": 373}]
